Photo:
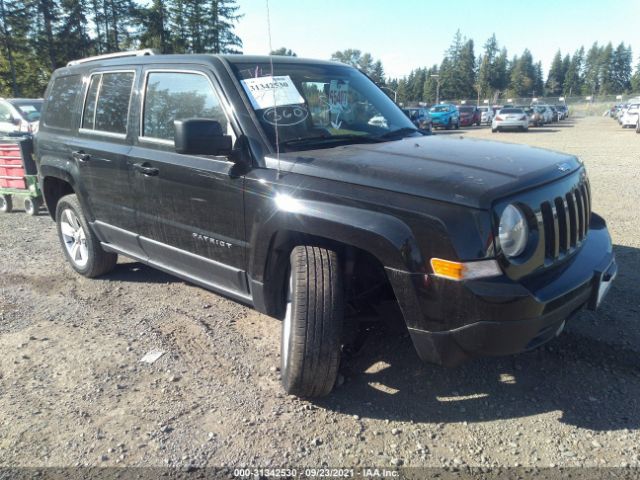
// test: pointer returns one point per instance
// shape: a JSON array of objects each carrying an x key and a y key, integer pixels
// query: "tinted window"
[
  {"x": 88, "y": 115},
  {"x": 511, "y": 110},
  {"x": 61, "y": 100},
  {"x": 112, "y": 108},
  {"x": 176, "y": 96}
]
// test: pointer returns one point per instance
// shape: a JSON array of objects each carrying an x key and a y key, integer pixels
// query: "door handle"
[
  {"x": 145, "y": 169},
  {"x": 81, "y": 156}
]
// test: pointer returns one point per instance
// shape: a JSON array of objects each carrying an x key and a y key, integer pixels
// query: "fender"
[{"x": 385, "y": 237}]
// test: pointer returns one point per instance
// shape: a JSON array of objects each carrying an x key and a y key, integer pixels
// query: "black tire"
[
  {"x": 494, "y": 130},
  {"x": 32, "y": 205},
  {"x": 98, "y": 262},
  {"x": 6, "y": 204},
  {"x": 449, "y": 124},
  {"x": 310, "y": 348},
  {"x": 458, "y": 125}
]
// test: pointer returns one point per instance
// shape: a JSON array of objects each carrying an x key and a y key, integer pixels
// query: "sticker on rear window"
[{"x": 268, "y": 92}]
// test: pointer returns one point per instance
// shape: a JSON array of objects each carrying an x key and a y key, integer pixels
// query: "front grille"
[{"x": 566, "y": 221}]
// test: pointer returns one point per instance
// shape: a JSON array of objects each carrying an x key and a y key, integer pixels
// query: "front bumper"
[{"x": 450, "y": 322}]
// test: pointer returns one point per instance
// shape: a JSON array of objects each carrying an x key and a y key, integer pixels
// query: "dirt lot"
[{"x": 73, "y": 390}]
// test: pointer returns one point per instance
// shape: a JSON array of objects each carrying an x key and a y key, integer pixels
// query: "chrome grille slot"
[
  {"x": 566, "y": 221},
  {"x": 572, "y": 210}
]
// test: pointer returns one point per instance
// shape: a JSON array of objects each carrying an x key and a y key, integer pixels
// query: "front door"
[{"x": 189, "y": 211}]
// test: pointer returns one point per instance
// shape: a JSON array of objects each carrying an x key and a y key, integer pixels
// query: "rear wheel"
[
  {"x": 312, "y": 327},
  {"x": 80, "y": 245},
  {"x": 6, "y": 204},
  {"x": 32, "y": 205}
]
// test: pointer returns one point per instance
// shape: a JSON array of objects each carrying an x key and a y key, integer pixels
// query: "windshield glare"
[
  {"x": 312, "y": 101},
  {"x": 439, "y": 108}
]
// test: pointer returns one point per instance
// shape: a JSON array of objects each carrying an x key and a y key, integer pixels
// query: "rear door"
[
  {"x": 101, "y": 150},
  {"x": 189, "y": 211}
]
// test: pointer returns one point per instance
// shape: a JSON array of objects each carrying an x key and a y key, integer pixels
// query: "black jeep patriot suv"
[{"x": 299, "y": 188}]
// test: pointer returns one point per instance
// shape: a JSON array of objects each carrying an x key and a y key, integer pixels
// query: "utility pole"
[{"x": 437, "y": 77}]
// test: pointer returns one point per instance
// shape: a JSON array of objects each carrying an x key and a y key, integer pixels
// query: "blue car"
[{"x": 445, "y": 115}]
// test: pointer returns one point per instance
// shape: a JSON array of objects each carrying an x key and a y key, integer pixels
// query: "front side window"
[
  {"x": 61, "y": 100},
  {"x": 306, "y": 105},
  {"x": 171, "y": 96}
]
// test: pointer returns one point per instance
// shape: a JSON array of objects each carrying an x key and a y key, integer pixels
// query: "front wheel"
[
  {"x": 80, "y": 245},
  {"x": 6, "y": 204},
  {"x": 32, "y": 205},
  {"x": 457, "y": 124},
  {"x": 312, "y": 326}
]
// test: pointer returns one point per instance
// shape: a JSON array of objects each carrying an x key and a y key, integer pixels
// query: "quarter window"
[
  {"x": 106, "y": 107},
  {"x": 61, "y": 100},
  {"x": 174, "y": 96}
]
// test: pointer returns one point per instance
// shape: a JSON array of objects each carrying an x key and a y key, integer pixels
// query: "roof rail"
[{"x": 108, "y": 56}]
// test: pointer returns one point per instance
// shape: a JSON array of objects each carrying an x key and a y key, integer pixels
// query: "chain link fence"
[{"x": 583, "y": 105}]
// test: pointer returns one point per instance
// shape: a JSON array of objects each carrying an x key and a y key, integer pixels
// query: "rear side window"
[
  {"x": 61, "y": 100},
  {"x": 176, "y": 96},
  {"x": 106, "y": 107}
]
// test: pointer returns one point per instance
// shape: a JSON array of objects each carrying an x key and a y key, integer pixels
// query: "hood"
[{"x": 458, "y": 170}]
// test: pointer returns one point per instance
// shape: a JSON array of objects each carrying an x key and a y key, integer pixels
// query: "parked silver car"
[
  {"x": 510, "y": 118},
  {"x": 20, "y": 115}
]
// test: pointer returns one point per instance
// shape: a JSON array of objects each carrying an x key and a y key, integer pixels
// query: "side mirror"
[{"x": 201, "y": 136}]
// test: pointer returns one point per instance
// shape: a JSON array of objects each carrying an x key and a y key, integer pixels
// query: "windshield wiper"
[
  {"x": 400, "y": 133},
  {"x": 302, "y": 141}
]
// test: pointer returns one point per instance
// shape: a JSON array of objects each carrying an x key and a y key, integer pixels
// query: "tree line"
[
  {"x": 602, "y": 70},
  {"x": 38, "y": 36}
]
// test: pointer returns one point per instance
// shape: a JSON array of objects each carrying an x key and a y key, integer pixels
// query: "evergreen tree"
[
  {"x": 573, "y": 77},
  {"x": 220, "y": 17},
  {"x": 73, "y": 38},
  {"x": 591, "y": 82},
  {"x": 377, "y": 74},
  {"x": 282, "y": 51},
  {"x": 635, "y": 80},
  {"x": 621, "y": 69},
  {"x": 155, "y": 33},
  {"x": 47, "y": 13},
  {"x": 607, "y": 82},
  {"x": 555, "y": 79},
  {"x": 14, "y": 24}
]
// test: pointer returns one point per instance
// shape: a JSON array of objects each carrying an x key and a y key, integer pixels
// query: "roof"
[{"x": 194, "y": 58}]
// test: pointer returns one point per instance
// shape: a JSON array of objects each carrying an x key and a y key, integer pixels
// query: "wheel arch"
[
  {"x": 349, "y": 231},
  {"x": 54, "y": 187}
]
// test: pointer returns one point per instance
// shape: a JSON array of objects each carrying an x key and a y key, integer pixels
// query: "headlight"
[{"x": 513, "y": 231}]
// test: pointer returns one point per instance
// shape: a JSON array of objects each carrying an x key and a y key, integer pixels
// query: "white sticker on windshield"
[
  {"x": 267, "y": 92},
  {"x": 338, "y": 96}
]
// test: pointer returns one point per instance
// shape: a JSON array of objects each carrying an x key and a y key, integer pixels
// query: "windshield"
[
  {"x": 465, "y": 109},
  {"x": 307, "y": 103},
  {"x": 30, "y": 110},
  {"x": 440, "y": 108}
]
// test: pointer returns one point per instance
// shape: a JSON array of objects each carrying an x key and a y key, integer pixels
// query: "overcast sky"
[{"x": 406, "y": 34}]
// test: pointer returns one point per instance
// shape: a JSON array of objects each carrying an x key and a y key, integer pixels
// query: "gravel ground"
[{"x": 74, "y": 392}]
